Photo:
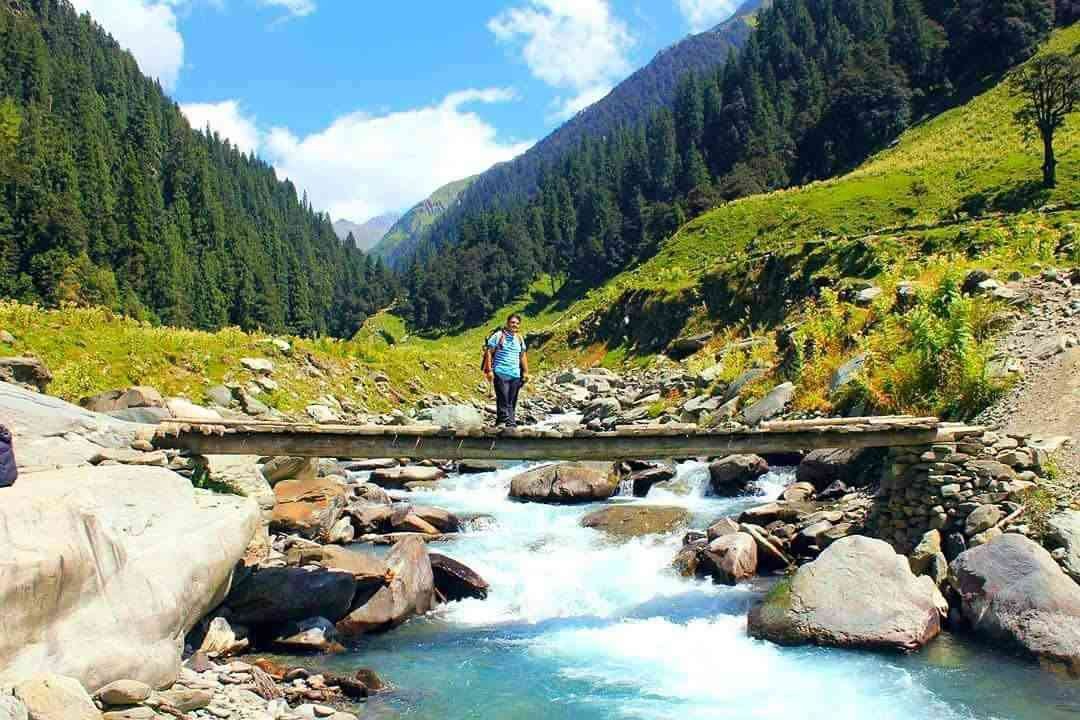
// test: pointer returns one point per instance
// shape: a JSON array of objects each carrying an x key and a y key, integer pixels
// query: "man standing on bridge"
[{"x": 507, "y": 367}]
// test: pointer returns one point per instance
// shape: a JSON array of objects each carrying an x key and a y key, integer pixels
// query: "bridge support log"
[{"x": 441, "y": 444}]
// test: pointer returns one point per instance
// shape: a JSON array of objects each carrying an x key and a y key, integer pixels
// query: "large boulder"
[
  {"x": 281, "y": 595},
  {"x": 731, "y": 475},
  {"x": 51, "y": 433},
  {"x": 1011, "y": 591},
  {"x": 184, "y": 409},
  {"x": 566, "y": 483},
  {"x": 455, "y": 580},
  {"x": 409, "y": 592},
  {"x": 730, "y": 558},
  {"x": 1064, "y": 534},
  {"x": 853, "y": 467},
  {"x": 308, "y": 508},
  {"x": 462, "y": 417},
  {"x": 628, "y": 521},
  {"x": 106, "y": 570},
  {"x": 858, "y": 593}
]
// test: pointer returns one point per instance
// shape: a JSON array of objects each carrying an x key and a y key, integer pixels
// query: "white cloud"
[
  {"x": 148, "y": 29},
  {"x": 576, "y": 45},
  {"x": 297, "y": 8},
  {"x": 226, "y": 119},
  {"x": 705, "y": 14},
  {"x": 363, "y": 164}
]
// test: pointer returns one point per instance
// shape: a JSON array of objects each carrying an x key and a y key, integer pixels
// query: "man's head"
[{"x": 513, "y": 323}]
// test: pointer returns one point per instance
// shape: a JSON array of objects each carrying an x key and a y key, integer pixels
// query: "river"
[{"x": 579, "y": 627}]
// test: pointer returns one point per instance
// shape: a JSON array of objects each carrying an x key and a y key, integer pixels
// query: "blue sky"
[{"x": 370, "y": 106}]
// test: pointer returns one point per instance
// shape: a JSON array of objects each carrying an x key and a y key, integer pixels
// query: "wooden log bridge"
[{"x": 427, "y": 442}]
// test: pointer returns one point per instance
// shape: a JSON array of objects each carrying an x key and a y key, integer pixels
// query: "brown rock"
[
  {"x": 410, "y": 592},
  {"x": 308, "y": 508},
  {"x": 396, "y": 478},
  {"x": 455, "y": 580},
  {"x": 723, "y": 526},
  {"x": 628, "y": 521},
  {"x": 443, "y": 521},
  {"x": 290, "y": 468},
  {"x": 730, "y": 559}
]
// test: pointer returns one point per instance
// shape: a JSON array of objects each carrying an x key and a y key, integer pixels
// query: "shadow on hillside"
[{"x": 1023, "y": 195}]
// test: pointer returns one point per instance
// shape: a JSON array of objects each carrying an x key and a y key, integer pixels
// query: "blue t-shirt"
[{"x": 507, "y": 360}]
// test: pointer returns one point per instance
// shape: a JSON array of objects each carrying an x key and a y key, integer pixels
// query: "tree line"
[
  {"x": 109, "y": 197},
  {"x": 818, "y": 87}
]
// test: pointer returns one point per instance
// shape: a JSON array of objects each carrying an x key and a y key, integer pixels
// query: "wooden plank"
[{"x": 581, "y": 446}]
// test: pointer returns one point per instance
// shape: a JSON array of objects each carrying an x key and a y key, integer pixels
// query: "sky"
[{"x": 369, "y": 105}]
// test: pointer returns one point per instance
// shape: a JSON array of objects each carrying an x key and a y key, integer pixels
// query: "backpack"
[
  {"x": 8, "y": 471},
  {"x": 483, "y": 356}
]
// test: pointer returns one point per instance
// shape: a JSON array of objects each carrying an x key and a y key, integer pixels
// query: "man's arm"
[
  {"x": 524, "y": 364},
  {"x": 488, "y": 372}
]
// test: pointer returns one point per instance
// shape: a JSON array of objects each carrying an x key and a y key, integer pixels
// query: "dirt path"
[{"x": 1045, "y": 402}]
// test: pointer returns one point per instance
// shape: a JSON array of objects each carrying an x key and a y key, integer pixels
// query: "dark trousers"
[{"x": 506, "y": 397}]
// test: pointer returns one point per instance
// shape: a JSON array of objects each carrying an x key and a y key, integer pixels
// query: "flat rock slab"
[
  {"x": 629, "y": 521},
  {"x": 858, "y": 593}
]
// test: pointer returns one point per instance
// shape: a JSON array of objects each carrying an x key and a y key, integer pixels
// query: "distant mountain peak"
[{"x": 367, "y": 233}]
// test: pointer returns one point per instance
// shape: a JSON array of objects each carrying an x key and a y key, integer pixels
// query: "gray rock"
[
  {"x": 290, "y": 468},
  {"x": 1012, "y": 591},
  {"x": 455, "y": 416},
  {"x": 773, "y": 404},
  {"x": 184, "y": 409},
  {"x": 866, "y": 296},
  {"x": 847, "y": 372},
  {"x": 857, "y": 593},
  {"x": 396, "y": 478},
  {"x": 982, "y": 518},
  {"x": 731, "y": 475},
  {"x": 222, "y": 640},
  {"x": 739, "y": 384},
  {"x": 281, "y": 595},
  {"x": 142, "y": 416},
  {"x": 687, "y": 346},
  {"x": 600, "y": 409},
  {"x": 258, "y": 365},
  {"x": 854, "y": 467},
  {"x": 241, "y": 475},
  {"x": 924, "y": 553},
  {"x": 315, "y": 634},
  {"x": 321, "y": 414},
  {"x": 28, "y": 372},
  {"x": 1064, "y": 534},
  {"x": 220, "y": 395}
]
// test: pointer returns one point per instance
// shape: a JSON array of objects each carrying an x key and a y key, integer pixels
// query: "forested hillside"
[
  {"x": 632, "y": 101},
  {"x": 109, "y": 197},
  {"x": 818, "y": 87}
]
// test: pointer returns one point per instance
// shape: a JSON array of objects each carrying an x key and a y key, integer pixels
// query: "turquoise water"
[{"x": 579, "y": 627}]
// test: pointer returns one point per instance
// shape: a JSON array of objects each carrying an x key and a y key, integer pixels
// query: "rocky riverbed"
[{"x": 554, "y": 590}]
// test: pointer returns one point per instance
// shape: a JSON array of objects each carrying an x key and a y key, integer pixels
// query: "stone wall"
[{"x": 970, "y": 490}]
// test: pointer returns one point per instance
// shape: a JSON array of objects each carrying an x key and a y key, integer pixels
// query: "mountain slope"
[
  {"x": 408, "y": 229},
  {"x": 632, "y": 101},
  {"x": 109, "y": 197},
  {"x": 368, "y": 233}
]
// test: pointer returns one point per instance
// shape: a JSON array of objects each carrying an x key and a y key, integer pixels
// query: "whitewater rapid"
[{"x": 578, "y": 626}]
